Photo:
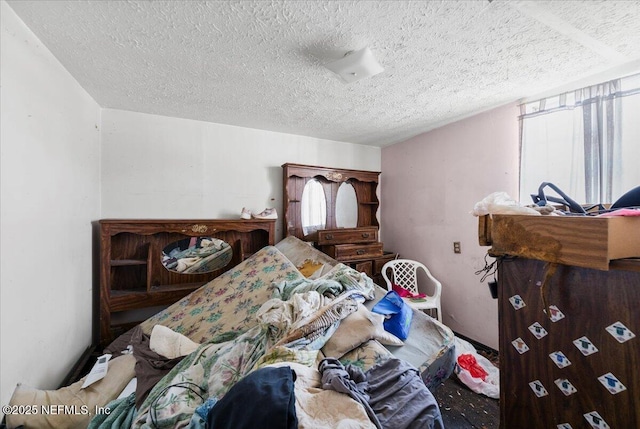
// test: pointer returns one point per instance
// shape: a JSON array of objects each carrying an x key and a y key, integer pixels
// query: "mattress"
[{"x": 264, "y": 312}]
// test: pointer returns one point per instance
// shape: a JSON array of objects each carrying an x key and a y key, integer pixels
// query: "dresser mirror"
[
  {"x": 346, "y": 206},
  {"x": 313, "y": 207}
]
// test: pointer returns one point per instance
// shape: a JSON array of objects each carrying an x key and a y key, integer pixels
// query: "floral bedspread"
[{"x": 230, "y": 301}]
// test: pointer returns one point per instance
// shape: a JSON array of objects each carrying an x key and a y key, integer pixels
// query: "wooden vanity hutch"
[{"x": 356, "y": 245}]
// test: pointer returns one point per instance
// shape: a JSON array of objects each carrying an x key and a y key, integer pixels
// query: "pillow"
[
  {"x": 170, "y": 344},
  {"x": 356, "y": 329},
  {"x": 311, "y": 269},
  {"x": 367, "y": 355}
]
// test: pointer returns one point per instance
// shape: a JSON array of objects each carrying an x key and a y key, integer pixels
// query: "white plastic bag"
[
  {"x": 500, "y": 203},
  {"x": 490, "y": 386}
]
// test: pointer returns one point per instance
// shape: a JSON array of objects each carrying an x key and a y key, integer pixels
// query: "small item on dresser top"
[
  {"x": 622, "y": 212},
  {"x": 541, "y": 199},
  {"x": 268, "y": 213},
  {"x": 245, "y": 213},
  {"x": 629, "y": 199},
  {"x": 500, "y": 203}
]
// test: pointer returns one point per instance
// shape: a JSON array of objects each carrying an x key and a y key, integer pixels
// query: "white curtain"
[
  {"x": 602, "y": 129},
  {"x": 586, "y": 142}
]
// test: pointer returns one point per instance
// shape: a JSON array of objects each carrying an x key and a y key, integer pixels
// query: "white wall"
[
  {"x": 162, "y": 167},
  {"x": 430, "y": 184},
  {"x": 49, "y": 167}
]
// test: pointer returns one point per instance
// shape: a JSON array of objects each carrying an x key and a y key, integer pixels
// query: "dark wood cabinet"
[
  {"x": 569, "y": 320},
  {"x": 132, "y": 276},
  {"x": 569, "y": 347}
]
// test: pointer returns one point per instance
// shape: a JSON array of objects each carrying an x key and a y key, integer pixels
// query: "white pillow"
[
  {"x": 356, "y": 329},
  {"x": 169, "y": 343}
]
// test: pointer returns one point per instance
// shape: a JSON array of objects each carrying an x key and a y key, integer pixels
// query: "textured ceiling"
[{"x": 259, "y": 64}]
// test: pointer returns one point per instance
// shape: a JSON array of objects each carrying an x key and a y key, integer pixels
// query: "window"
[{"x": 586, "y": 142}]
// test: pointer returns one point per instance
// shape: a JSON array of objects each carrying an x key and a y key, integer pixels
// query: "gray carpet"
[{"x": 461, "y": 408}]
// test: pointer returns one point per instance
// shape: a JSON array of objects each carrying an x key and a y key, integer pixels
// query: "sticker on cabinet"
[
  {"x": 585, "y": 346},
  {"x": 620, "y": 332}
]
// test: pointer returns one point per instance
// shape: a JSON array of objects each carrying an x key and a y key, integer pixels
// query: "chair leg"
[{"x": 429, "y": 312}]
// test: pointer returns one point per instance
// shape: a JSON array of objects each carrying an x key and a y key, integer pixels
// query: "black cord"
[
  {"x": 185, "y": 385},
  {"x": 493, "y": 267},
  {"x": 489, "y": 268}
]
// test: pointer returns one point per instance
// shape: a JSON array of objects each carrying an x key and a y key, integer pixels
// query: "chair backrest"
[{"x": 405, "y": 274}]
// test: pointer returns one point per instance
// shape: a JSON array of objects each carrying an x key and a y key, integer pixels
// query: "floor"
[{"x": 462, "y": 409}]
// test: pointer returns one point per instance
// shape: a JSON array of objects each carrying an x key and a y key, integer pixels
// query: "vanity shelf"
[{"x": 127, "y": 262}]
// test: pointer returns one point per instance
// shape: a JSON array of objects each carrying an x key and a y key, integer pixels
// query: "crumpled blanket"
[
  {"x": 120, "y": 415},
  {"x": 210, "y": 371},
  {"x": 281, "y": 315},
  {"x": 400, "y": 398},
  {"x": 317, "y": 408},
  {"x": 313, "y": 332},
  {"x": 215, "y": 367},
  {"x": 393, "y": 390},
  {"x": 349, "y": 380},
  {"x": 340, "y": 279}
]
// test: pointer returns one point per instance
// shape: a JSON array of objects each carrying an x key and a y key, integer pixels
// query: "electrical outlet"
[{"x": 456, "y": 247}]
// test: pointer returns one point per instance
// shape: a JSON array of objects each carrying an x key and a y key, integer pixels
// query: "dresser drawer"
[
  {"x": 352, "y": 252},
  {"x": 367, "y": 234},
  {"x": 364, "y": 267},
  {"x": 379, "y": 262}
]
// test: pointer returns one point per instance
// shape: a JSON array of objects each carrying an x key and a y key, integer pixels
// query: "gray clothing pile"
[{"x": 392, "y": 393}]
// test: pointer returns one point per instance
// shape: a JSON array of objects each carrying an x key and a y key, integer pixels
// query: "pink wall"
[{"x": 429, "y": 185}]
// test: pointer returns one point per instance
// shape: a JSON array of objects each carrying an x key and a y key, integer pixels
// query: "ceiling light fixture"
[{"x": 355, "y": 65}]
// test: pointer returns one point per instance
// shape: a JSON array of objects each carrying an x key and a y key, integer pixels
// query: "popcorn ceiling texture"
[{"x": 259, "y": 64}]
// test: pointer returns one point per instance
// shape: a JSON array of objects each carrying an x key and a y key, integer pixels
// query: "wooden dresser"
[
  {"x": 358, "y": 248},
  {"x": 569, "y": 333},
  {"x": 133, "y": 277}
]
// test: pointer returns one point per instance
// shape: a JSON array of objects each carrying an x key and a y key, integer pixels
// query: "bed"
[{"x": 288, "y": 314}]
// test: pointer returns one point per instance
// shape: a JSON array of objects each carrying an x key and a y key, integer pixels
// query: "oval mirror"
[
  {"x": 196, "y": 255},
  {"x": 346, "y": 206},
  {"x": 313, "y": 211}
]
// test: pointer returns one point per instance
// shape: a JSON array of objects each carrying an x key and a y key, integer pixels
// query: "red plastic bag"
[
  {"x": 404, "y": 293},
  {"x": 470, "y": 363}
]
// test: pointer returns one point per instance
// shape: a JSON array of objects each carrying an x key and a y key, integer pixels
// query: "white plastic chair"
[{"x": 404, "y": 273}]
